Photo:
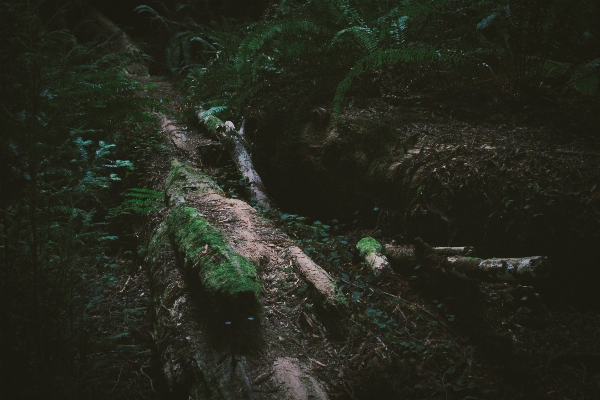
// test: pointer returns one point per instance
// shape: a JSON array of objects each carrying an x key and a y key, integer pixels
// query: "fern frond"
[
  {"x": 155, "y": 15},
  {"x": 378, "y": 59},
  {"x": 139, "y": 201},
  {"x": 365, "y": 36},
  {"x": 256, "y": 41},
  {"x": 212, "y": 111}
]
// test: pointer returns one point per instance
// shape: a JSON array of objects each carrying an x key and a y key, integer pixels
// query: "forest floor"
[{"x": 408, "y": 333}]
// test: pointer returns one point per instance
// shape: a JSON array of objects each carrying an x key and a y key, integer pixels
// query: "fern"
[
  {"x": 212, "y": 111},
  {"x": 364, "y": 35},
  {"x": 140, "y": 201},
  {"x": 257, "y": 40},
  {"x": 392, "y": 56}
]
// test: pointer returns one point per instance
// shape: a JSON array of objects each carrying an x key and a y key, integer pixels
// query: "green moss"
[
  {"x": 222, "y": 272},
  {"x": 368, "y": 245},
  {"x": 341, "y": 300},
  {"x": 184, "y": 179},
  {"x": 156, "y": 245},
  {"x": 212, "y": 123}
]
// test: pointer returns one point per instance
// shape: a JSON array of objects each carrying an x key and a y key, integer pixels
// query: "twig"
[
  {"x": 118, "y": 379},
  {"x": 143, "y": 373},
  {"x": 577, "y": 153},
  {"x": 126, "y": 282}
]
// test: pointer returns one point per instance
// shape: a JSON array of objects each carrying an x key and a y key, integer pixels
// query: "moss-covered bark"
[
  {"x": 225, "y": 275},
  {"x": 187, "y": 357},
  {"x": 372, "y": 250}
]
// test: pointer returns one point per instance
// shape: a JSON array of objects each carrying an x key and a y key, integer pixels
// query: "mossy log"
[
  {"x": 495, "y": 269},
  {"x": 188, "y": 361},
  {"x": 249, "y": 234},
  {"x": 230, "y": 279},
  {"x": 236, "y": 144},
  {"x": 372, "y": 251},
  {"x": 499, "y": 269}
]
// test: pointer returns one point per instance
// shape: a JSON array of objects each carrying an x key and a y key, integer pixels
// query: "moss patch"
[
  {"x": 225, "y": 275},
  {"x": 184, "y": 179},
  {"x": 368, "y": 245}
]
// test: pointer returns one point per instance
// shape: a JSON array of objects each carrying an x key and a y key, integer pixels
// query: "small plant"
[{"x": 140, "y": 201}]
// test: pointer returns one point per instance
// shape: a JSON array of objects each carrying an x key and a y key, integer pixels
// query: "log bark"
[
  {"x": 494, "y": 269},
  {"x": 404, "y": 256},
  {"x": 189, "y": 363},
  {"x": 248, "y": 234},
  {"x": 238, "y": 148}
]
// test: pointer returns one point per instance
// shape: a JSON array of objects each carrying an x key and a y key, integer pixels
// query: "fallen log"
[
  {"x": 404, "y": 256},
  {"x": 228, "y": 278},
  {"x": 371, "y": 250},
  {"x": 495, "y": 269},
  {"x": 188, "y": 361},
  {"x": 236, "y": 144},
  {"x": 247, "y": 233}
]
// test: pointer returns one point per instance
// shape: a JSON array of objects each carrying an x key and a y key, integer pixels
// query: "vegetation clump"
[{"x": 368, "y": 245}]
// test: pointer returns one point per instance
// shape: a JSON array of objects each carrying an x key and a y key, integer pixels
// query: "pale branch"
[{"x": 236, "y": 144}]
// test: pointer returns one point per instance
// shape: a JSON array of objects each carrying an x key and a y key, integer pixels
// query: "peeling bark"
[{"x": 495, "y": 269}]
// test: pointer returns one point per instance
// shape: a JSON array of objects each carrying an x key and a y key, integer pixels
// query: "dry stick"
[
  {"x": 143, "y": 373},
  {"x": 126, "y": 282},
  {"x": 118, "y": 379}
]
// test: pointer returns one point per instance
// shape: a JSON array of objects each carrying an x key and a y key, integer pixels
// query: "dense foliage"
[
  {"x": 71, "y": 129},
  {"x": 318, "y": 50}
]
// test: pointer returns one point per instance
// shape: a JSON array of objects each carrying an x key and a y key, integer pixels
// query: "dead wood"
[
  {"x": 404, "y": 256},
  {"x": 188, "y": 361},
  {"x": 237, "y": 146},
  {"x": 371, "y": 250},
  {"x": 494, "y": 269},
  {"x": 121, "y": 42}
]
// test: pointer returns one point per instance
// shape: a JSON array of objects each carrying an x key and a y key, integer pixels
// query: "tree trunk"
[
  {"x": 246, "y": 232},
  {"x": 122, "y": 42},
  {"x": 189, "y": 363}
]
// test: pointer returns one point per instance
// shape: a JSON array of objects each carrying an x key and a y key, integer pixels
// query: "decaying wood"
[
  {"x": 189, "y": 363},
  {"x": 496, "y": 269},
  {"x": 404, "y": 256},
  {"x": 249, "y": 235},
  {"x": 236, "y": 143},
  {"x": 501, "y": 269},
  {"x": 291, "y": 376}
]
